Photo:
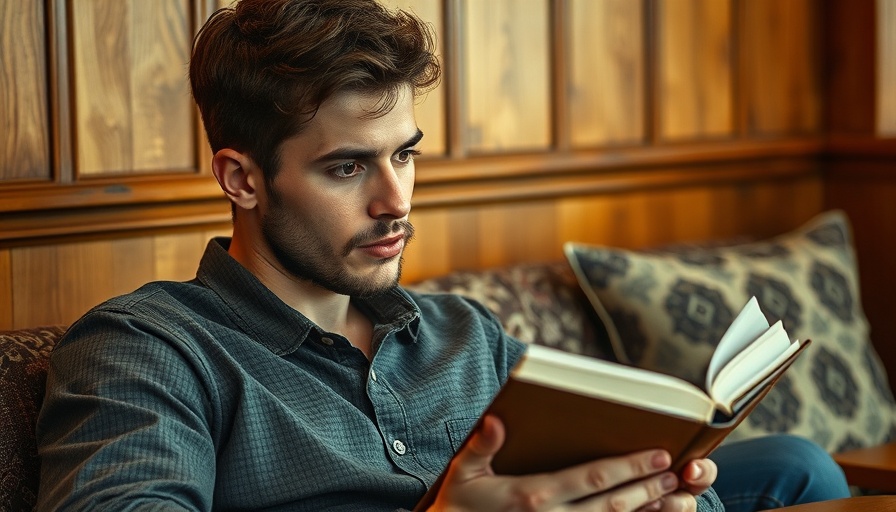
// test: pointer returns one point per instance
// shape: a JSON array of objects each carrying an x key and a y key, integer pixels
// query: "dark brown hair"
[{"x": 260, "y": 70}]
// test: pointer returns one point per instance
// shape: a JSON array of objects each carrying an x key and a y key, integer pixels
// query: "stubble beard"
[{"x": 310, "y": 258}]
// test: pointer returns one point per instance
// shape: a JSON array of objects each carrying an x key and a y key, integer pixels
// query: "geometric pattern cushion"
[
  {"x": 667, "y": 309},
  {"x": 538, "y": 303},
  {"x": 23, "y": 370}
]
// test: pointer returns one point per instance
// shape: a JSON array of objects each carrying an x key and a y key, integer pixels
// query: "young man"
[{"x": 293, "y": 373}]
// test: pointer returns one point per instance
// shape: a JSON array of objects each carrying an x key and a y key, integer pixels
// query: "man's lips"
[{"x": 385, "y": 247}]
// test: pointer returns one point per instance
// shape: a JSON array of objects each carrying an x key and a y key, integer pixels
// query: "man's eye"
[
  {"x": 347, "y": 170},
  {"x": 406, "y": 155}
]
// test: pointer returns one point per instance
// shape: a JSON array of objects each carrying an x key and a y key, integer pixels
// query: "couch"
[{"x": 659, "y": 308}]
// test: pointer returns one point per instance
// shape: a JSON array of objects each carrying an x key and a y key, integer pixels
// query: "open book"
[{"x": 560, "y": 409}]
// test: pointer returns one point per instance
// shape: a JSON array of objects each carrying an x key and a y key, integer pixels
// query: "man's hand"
[{"x": 639, "y": 481}]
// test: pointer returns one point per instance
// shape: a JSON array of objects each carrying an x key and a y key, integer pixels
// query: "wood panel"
[
  {"x": 694, "y": 68},
  {"x": 866, "y": 189},
  {"x": 607, "y": 72},
  {"x": 24, "y": 141},
  {"x": 133, "y": 111},
  {"x": 781, "y": 69},
  {"x": 506, "y": 81},
  {"x": 430, "y": 109},
  {"x": 851, "y": 58},
  {"x": 58, "y": 283},
  {"x": 6, "y": 303},
  {"x": 886, "y": 67},
  {"x": 496, "y": 234}
]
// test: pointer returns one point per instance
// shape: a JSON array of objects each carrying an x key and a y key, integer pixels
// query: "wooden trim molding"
[{"x": 47, "y": 212}]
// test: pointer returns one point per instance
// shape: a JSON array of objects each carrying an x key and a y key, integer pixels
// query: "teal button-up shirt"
[{"x": 214, "y": 394}]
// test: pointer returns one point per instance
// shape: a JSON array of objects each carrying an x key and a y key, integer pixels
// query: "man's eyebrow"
[{"x": 362, "y": 154}]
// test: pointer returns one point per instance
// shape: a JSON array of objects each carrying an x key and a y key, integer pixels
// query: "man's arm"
[
  {"x": 639, "y": 481},
  {"x": 125, "y": 421}
]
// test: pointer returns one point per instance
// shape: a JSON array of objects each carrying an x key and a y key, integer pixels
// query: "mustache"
[{"x": 377, "y": 231}]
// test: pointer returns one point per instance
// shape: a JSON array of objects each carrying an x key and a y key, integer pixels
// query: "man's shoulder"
[{"x": 160, "y": 306}]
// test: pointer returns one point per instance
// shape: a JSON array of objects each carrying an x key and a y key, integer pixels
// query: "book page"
[
  {"x": 748, "y": 325},
  {"x": 752, "y": 365},
  {"x": 615, "y": 382}
]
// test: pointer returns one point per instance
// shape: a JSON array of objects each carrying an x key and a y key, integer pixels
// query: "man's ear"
[{"x": 238, "y": 175}]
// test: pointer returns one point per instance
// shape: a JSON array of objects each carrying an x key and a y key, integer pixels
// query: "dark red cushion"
[{"x": 24, "y": 355}]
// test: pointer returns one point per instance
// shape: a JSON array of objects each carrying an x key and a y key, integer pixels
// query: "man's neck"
[{"x": 331, "y": 311}]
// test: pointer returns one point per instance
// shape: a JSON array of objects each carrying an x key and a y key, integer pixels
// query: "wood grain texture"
[
  {"x": 886, "y": 68},
  {"x": 6, "y": 303},
  {"x": 58, "y": 283},
  {"x": 865, "y": 188},
  {"x": 694, "y": 69},
  {"x": 506, "y": 75},
  {"x": 496, "y": 234},
  {"x": 430, "y": 108},
  {"x": 781, "y": 65},
  {"x": 133, "y": 110},
  {"x": 607, "y": 72},
  {"x": 24, "y": 139},
  {"x": 870, "y": 468},
  {"x": 850, "y": 55}
]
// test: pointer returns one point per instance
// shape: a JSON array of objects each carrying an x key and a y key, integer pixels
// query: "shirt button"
[
  {"x": 373, "y": 375},
  {"x": 326, "y": 341},
  {"x": 399, "y": 447}
]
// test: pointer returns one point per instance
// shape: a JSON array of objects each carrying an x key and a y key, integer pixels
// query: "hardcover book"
[{"x": 561, "y": 409}]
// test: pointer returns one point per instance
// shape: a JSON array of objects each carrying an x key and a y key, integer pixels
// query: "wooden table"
[
  {"x": 859, "y": 504},
  {"x": 870, "y": 468}
]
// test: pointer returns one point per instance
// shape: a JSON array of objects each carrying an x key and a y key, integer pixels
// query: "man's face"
[{"x": 337, "y": 210}]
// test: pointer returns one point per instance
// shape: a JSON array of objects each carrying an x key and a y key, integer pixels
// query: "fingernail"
[
  {"x": 660, "y": 460},
  {"x": 696, "y": 472},
  {"x": 669, "y": 482}
]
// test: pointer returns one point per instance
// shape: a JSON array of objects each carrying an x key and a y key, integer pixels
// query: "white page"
[
  {"x": 753, "y": 364},
  {"x": 748, "y": 325},
  {"x": 589, "y": 376}
]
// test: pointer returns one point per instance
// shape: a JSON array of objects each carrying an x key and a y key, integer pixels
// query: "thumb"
[{"x": 475, "y": 458}]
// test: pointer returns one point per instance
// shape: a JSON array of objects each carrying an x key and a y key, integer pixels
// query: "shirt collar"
[{"x": 274, "y": 324}]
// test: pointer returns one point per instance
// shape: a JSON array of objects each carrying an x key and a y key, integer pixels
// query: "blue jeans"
[{"x": 775, "y": 471}]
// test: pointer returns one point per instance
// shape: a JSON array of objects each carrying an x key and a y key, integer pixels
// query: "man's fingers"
[
  {"x": 699, "y": 475},
  {"x": 475, "y": 459},
  {"x": 650, "y": 494},
  {"x": 605, "y": 474}
]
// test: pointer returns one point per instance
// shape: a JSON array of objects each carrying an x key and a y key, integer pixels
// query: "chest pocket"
[{"x": 458, "y": 430}]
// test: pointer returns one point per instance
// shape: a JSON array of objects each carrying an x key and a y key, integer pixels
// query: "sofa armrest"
[{"x": 872, "y": 468}]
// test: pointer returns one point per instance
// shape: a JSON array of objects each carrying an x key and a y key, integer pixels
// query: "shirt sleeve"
[
  {"x": 709, "y": 502},
  {"x": 125, "y": 421}
]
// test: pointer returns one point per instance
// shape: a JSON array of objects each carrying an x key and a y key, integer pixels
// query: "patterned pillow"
[
  {"x": 536, "y": 303},
  {"x": 24, "y": 356},
  {"x": 667, "y": 309}
]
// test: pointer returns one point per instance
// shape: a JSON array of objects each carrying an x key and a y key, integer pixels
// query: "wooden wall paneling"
[
  {"x": 866, "y": 192},
  {"x": 24, "y": 141},
  {"x": 694, "y": 69},
  {"x": 176, "y": 256},
  {"x": 133, "y": 109},
  {"x": 59, "y": 283},
  {"x": 780, "y": 58},
  {"x": 506, "y": 76},
  {"x": 429, "y": 253},
  {"x": 6, "y": 303},
  {"x": 850, "y": 52},
  {"x": 616, "y": 220},
  {"x": 494, "y": 234},
  {"x": 430, "y": 109},
  {"x": 606, "y": 88},
  {"x": 517, "y": 232},
  {"x": 886, "y": 68}
]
